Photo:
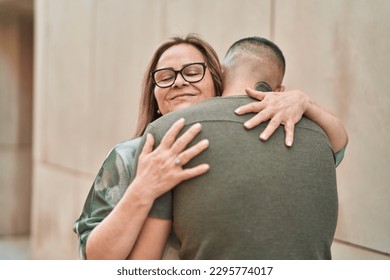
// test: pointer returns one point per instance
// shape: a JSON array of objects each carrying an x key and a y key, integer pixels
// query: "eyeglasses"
[{"x": 166, "y": 77}]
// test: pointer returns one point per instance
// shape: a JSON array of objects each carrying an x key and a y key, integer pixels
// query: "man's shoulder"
[
  {"x": 217, "y": 109},
  {"x": 210, "y": 109}
]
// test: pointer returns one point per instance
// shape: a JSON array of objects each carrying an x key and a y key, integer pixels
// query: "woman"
[
  {"x": 196, "y": 77},
  {"x": 101, "y": 222}
]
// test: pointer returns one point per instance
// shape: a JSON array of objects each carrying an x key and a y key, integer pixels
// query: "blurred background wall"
[
  {"x": 70, "y": 75},
  {"x": 16, "y": 97}
]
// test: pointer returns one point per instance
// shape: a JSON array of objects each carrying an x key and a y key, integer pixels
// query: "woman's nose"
[{"x": 179, "y": 82}]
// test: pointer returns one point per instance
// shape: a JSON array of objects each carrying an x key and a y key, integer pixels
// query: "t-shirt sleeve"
[
  {"x": 340, "y": 155},
  {"x": 107, "y": 189}
]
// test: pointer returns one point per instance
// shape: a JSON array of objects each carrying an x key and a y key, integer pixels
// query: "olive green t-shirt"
[{"x": 259, "y": 200}]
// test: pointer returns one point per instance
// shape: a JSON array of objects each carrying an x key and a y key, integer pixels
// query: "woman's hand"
[
  {"x": 162, "y": 169},
  {"x": 279, "y": 108}
]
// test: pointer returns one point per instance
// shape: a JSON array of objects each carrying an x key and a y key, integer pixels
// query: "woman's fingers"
[
  {"x": 170, "y": 136},
  {"x": 189, "y": 173},
  {"x": 181, "y": 143},
  {"x": 162, "y": 168},
  {"x": 270, "y": 129},
  {"x": 259, "y": 118},
  {"x": 259, "y": 95},
  {"x": 289, "y": 129},
  {"x": 169, "y": 149},
  {"x": 187, "y": 155},
  {"x": 149, "y": 143},
  {"x": 253, "y": 107},
  {"x": 273, "y": 124},
  {"x": 169, "y": 140},
  {"x": 278, "y": 108}
]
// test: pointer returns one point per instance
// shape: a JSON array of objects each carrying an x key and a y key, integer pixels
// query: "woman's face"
[{"x": 182, "y": 94}]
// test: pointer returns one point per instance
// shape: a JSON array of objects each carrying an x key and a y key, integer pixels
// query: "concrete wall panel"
[
  {"x": 64, "y": 42},
  {"x": 16, "y": 58},
  {"x": 15, "y": 191},
  {"x": 15, "y": 78},
  {"x": 220, "y": 22},
  {"x": 8, "y": 79},
  {"x": 122, "y": 45},
  {"x": 346, "y": 251},
  {"x": 337, "y": 52},
  {"x": 56, "y": 206}
]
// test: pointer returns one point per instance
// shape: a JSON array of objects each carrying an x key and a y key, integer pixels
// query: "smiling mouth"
[{"x": 183, "y": 95}]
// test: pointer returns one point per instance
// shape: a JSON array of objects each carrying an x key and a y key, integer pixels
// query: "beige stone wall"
[
  {"x": 89, "y": 60},
  {"x": 16, "y": 60},
  {"x": 338, "y": 52}
]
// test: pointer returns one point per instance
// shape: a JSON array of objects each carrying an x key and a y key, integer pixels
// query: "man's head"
[{"x": 254, "y": 60}]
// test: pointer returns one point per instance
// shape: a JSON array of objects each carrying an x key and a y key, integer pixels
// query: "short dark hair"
[{"x": 250, "y": 43}]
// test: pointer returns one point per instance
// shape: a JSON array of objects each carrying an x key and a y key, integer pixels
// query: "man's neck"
[
  {"x": 235, "y": 89},
  {"x": 233, "y": 93}
]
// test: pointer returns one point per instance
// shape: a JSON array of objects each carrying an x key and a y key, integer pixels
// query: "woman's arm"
[
  {"x": 108, "y": 187},
  {"x": 152, "y": 240},
  {"x": 157, "y": 173},
  {"x": 287, "y": 108},
  {"x": 114, "y": 237},
  {"x": 332, "y": 126}
]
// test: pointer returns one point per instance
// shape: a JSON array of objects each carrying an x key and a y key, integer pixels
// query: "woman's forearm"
[
  {"x": 116, "y": 235},
  {"x": 332, "y": 126},
  {"x": 157, "y": 173}
]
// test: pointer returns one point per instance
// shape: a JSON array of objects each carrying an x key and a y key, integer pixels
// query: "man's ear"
[{"x": 280, "y": 88}]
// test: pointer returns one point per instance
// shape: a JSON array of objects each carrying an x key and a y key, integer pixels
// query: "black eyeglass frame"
[{"x": 178, "y": 72}]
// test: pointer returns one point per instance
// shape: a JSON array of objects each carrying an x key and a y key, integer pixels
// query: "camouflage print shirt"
[{"x": 108, "y": 188}]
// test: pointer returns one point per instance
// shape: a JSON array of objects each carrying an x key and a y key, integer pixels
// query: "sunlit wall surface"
[{"x": 89, "y": 59}]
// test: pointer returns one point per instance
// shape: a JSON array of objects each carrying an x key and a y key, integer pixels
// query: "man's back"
[{"x": 259, "y": 200}]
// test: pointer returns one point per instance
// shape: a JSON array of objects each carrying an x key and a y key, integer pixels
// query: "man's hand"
[{"x": 284, "y": 108}]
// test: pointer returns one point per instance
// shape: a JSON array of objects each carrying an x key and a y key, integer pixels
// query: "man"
[{"x": 259, "y": 200}]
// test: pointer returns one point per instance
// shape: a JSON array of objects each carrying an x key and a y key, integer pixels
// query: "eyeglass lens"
[{"x": 191, "y": 73}]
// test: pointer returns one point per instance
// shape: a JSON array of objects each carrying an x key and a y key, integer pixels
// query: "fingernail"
[
  {"x": 197, "y": 125},
  {"x": 205, "y": 142},
  {"x": 263, "y": 136},
  {"x": 247, "y": 124},
  {"x": 237, "y": 111},
  {"x": 289, "y": 143}
]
